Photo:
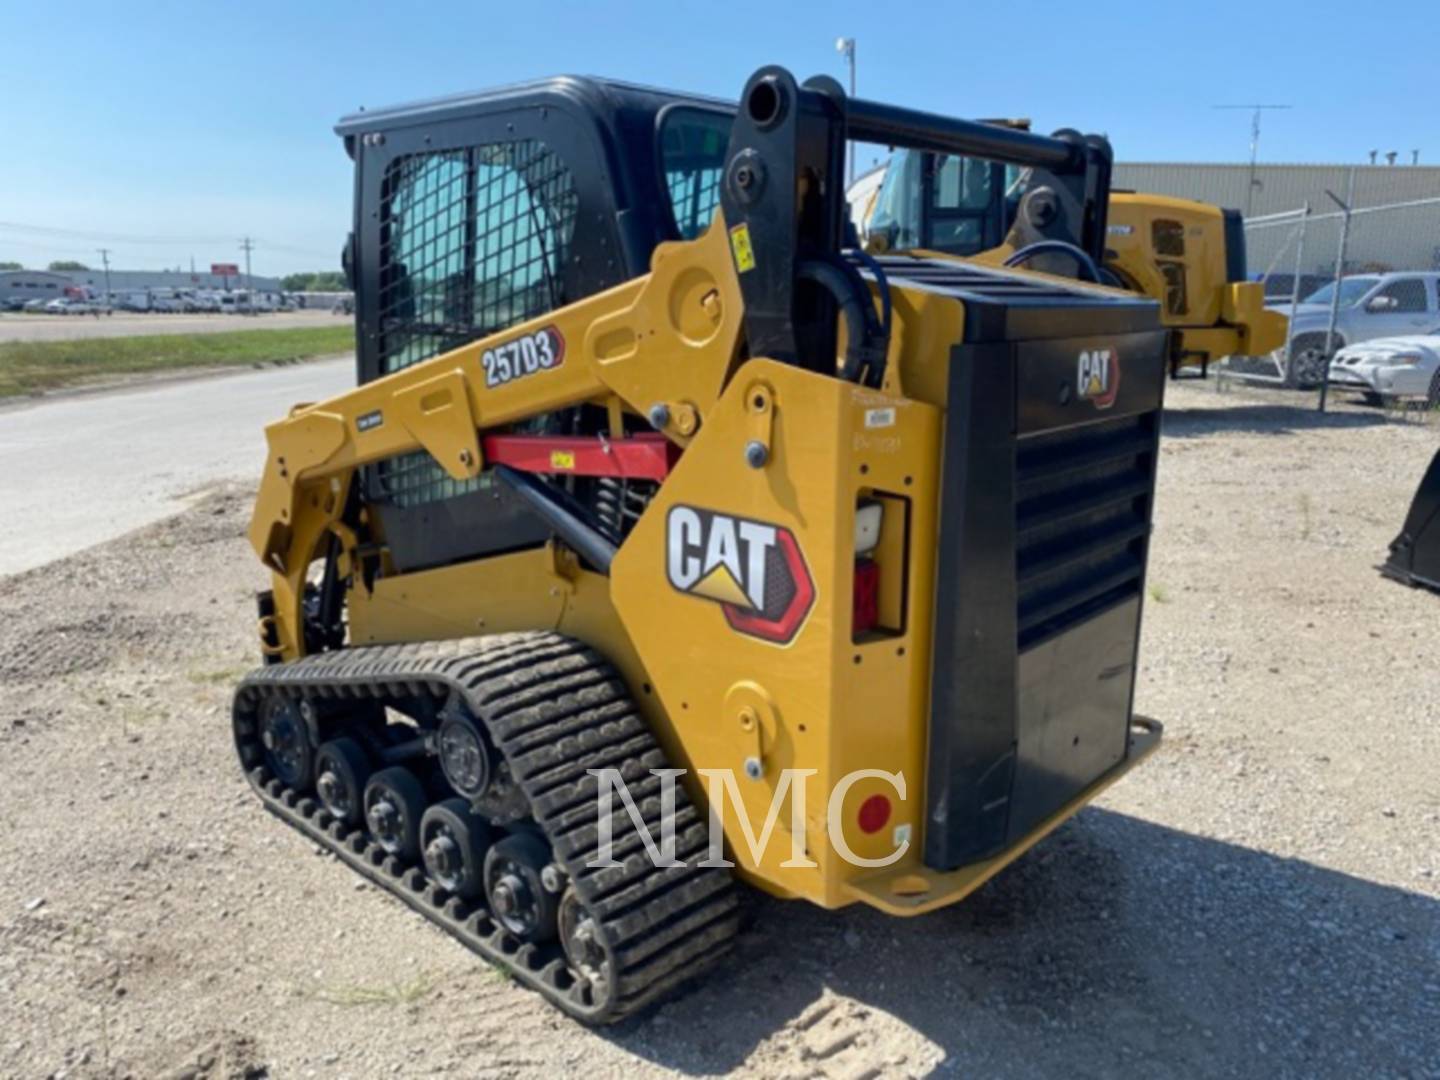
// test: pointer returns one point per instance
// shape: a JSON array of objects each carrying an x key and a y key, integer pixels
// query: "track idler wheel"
[
  {"x": 453, "y": 843},
  {"x": 394, "y": 805},
  {"x": 580, "y": 938},
  {"x": 342, "y": 769},
  {"x": 286, "y": 740},
  {"x": 515, "y": 887}
]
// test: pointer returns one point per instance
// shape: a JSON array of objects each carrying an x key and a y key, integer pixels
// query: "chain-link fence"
[{"x": 1351, "y": 268}]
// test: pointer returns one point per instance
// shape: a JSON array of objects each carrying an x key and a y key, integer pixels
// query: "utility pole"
[
  {"x": 1347, "y": 205},
  {"x": 1254, "y": 145},
  {"x": 845, "y": 46},
  {"x": 247, "y": 246},
  {"x": 105, "y": 261}
]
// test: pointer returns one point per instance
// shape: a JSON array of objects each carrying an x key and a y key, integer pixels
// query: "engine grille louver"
[{"x": 1081, "y": 516}]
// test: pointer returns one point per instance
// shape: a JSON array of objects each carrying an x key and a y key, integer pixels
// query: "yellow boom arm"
[{"x": 677, "y": 327}]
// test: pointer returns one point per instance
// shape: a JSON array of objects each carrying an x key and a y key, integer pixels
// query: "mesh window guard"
[{"x": 471, "y": 241}]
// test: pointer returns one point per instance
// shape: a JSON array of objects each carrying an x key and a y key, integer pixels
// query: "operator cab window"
[
  {"x": 472, "y": 240},
  {"x": 692, "y": 156},
  {"x": 962, "y": 193}
]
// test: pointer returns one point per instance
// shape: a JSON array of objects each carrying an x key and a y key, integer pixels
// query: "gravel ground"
[{"x": 1262, "y": 898}]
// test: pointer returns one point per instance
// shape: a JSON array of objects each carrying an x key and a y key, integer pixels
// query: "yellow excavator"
[
  {"x": 1188, "y": 255},
  {"x": 670, "y": 540}
]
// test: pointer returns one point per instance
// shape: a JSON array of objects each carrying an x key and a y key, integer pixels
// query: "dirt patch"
[{"x": 1262, "y": 898}]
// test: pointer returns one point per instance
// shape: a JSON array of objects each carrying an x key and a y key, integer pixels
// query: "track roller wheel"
[
  {"x": 342, "y": 768},
  {"x": 464, "y": 758},
  {"x": 515, "y": 890},
  {"x": 453, "y": 842},
  {"x": 394, "y": 804},
  {"x": 286, "y": 740},
  {"x": 580, "y": 938}
]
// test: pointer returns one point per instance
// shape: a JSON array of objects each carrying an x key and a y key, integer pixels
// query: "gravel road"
[
  {"x": 1261, "y": 899},
  {"x": 22, "y": 327},
  {"x": 83, "y": 468}
]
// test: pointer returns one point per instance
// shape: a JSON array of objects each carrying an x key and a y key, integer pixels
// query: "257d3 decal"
[
  {"x": 530, "y": 353},
  {"x": 752, "y": 569}
]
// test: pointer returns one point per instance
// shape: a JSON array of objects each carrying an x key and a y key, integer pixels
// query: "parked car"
[
  {"x": 1371, "y": 306},
  {"x": 37, "y": 304},
  {"x": 13, "y": 303},
  {"x": 202, "y": 302},
  {"x": 1279, "y": 288},
  {"x": 166, "y": 304},
  {"x": 70, "y": 305},
  {"x": 1388, "y": 370}
]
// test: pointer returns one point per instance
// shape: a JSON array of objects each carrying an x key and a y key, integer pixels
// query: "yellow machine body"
[
  {"x": 1174, "y": 250},
  {"x": 824, "y": 703}
]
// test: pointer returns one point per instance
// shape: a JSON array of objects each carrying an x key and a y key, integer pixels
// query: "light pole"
[
  {"x": 247, "y": 245},
  {"x": 845, "y": 46},
  {"x": 105, "y": 258}
]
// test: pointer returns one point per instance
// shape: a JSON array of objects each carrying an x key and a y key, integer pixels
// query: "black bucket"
[{"x": 1415, "y": 553}]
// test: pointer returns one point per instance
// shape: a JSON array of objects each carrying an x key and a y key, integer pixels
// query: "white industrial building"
[
  {"x": 1406, "y": 237},
  {"x": 49, "y": 284}
]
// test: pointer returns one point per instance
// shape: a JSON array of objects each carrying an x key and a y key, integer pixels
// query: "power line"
[
  {"x": 108, "y": 237},
  {"x": 97, "y": 237}
]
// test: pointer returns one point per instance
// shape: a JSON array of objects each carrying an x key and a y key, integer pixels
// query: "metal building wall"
[{"x": 1405, "y": 239}]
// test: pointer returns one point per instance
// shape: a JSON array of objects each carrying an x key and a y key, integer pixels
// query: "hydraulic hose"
[
  {"x": 864, "y": 337},
  {"x": 1059, "y": 247},
  {"x": 873, "y": 265}
]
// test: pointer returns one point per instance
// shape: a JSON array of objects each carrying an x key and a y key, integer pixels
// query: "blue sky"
[{"x": 164, "y": 131}]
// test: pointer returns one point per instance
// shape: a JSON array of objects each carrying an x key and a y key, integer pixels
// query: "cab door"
[{"x": 1399, "y": 306}]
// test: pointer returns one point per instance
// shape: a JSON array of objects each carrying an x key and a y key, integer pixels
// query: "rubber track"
[{"x": 554, "y": 709}]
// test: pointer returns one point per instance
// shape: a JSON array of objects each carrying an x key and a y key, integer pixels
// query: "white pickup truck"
[{"x": 1371, "y": 306}]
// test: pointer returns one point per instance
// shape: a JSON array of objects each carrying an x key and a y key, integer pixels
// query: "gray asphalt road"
[
  {"x": 81, "y": 470},
  {"x": 17, "y": 327}
]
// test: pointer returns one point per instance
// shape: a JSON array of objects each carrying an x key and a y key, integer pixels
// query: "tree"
[
  {"x": 314, "y": 281},
  {"x": 61, "y": 265},
  {"x": 11, "y": 266}
]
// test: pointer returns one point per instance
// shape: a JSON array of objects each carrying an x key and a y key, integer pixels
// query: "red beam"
[{"x": 647, "y": 456}]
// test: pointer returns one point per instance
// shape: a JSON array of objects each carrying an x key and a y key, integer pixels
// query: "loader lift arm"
[{"x": 669, "y": 336}]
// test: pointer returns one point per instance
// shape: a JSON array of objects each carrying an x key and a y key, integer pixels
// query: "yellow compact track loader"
[
  {"x": 669, "y": 539},
  {"x": 1188, "y": 255}
]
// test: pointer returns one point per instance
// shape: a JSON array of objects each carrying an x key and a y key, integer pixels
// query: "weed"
[{"x": 397, "y": 993}]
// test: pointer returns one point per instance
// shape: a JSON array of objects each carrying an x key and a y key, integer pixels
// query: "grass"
[
  {"x": 33, "y": 367},
  {"x": 223, "y": 677},
  {"x": 1159, "y": 593},
  {"x": 398, "y": 993}
]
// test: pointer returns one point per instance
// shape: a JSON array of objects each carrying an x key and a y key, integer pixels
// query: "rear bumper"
[{"x": 913, "y": 889}]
